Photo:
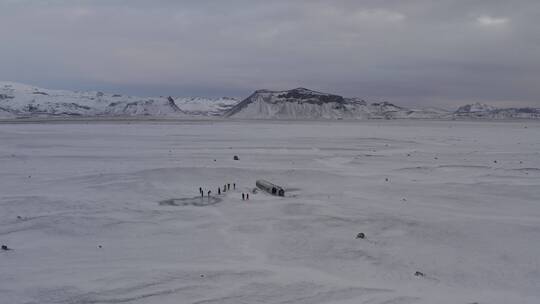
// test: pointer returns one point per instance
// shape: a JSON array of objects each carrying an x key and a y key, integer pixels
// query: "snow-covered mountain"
[
  {"x": 302, "y": 103},
  {"x": 475, "y": 108},
  {"x": 20, "y": 100},
  {"x": 297, "y": 103},
  {"x": 479, "y": 110},
  {"x": 25, "y": 100},
  {"x": 205, "y": 106}
]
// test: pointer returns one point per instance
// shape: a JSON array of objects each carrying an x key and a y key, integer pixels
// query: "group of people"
[{"x": 226, "y": 187}]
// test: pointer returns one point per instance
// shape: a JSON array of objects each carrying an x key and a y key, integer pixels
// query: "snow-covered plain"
[{"x": 457, "y": 201}]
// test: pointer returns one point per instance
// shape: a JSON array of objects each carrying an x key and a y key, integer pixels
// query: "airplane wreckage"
[{"x": 270, "y": 188}]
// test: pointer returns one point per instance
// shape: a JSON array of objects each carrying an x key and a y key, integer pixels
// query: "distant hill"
[
  {"x": 479, "y": 110},
  {"x": 302, "y": 103}
]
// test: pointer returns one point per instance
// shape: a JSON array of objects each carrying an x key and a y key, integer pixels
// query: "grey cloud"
[{"x": 441, "y": 53}]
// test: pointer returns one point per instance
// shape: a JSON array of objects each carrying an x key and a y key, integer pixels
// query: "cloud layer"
[{"x": 419, "y": 52}]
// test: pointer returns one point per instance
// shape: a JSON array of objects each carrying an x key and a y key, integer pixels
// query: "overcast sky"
[{"x": 415, "y": 52}]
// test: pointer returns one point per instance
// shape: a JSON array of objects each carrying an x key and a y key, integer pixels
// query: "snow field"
[{"x": 457, "y": 201}]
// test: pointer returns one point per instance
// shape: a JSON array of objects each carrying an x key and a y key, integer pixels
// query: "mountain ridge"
[
  {"x": 302, "y": 103},
  {"x": 22, "y": 100}
]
